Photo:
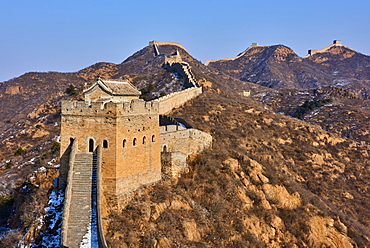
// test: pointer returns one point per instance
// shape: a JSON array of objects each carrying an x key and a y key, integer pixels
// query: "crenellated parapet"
[{"x": 134, "y": 107}]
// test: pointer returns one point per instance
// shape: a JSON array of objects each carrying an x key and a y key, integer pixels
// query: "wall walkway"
[{"x": 77, "y": 213}]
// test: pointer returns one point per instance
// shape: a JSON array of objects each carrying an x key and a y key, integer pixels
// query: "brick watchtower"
[{"x": 124, "y": 126}]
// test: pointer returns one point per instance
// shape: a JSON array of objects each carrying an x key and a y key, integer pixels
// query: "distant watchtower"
[{"x": 125, "y": 127}]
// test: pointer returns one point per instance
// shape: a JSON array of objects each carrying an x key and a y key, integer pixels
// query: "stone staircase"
[{"x": 80, "y": 210}]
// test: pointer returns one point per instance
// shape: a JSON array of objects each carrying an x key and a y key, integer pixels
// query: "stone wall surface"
[
  {"x": 174, "y": 163},
  {"x": 177, "y": 99},
  {"x": 13, "y": 90},
  {"x": 68, "y": 182},
  {"x": 187, "y": 141}
]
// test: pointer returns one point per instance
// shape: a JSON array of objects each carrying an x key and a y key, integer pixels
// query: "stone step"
[{"x": 80, "y": 206}]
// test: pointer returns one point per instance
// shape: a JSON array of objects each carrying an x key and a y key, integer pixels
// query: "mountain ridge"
[{"x": 270, "y": 179}]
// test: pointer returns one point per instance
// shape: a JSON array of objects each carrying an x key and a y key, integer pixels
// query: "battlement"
[{"x": 112, "y": 109}]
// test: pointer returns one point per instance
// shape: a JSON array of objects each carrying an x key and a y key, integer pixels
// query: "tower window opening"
[
  {"x": 105, "y": 144},
  {"x": 153, "y": 138},
  {"x": 144, "y": 140},
  {"x": 91, "y": 145},
  {"x": 134, "y": 142},
  {"x": 124, "y": 143}
]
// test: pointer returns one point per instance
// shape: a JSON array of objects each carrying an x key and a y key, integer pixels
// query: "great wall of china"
[
  {"x": 240, "y": 55},
  {"x": 113, "y": 143},
  {"x": 310, "y": 52},
  {"x": 335, "y": 43}
]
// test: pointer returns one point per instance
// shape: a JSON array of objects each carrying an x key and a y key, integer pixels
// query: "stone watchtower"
[{"x": 125, "y": 127}]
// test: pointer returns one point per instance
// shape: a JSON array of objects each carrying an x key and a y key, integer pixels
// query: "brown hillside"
[
  {"x": 279, "y": 67},
  {"x": 269, "y": 181}
]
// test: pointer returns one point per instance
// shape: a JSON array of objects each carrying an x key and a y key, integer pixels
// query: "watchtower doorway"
[{"x": 91, "y": 145}]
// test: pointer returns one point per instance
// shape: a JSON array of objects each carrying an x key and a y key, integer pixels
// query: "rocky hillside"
[
  {"x": 280, "y": 67},
  {"x": 343, "y": 113},
  {"x": 270, "y": 180}
]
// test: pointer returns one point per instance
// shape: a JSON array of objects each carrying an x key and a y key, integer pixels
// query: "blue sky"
[{"x": 69, "y": 35}]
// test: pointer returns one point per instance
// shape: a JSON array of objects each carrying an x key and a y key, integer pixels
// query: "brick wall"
[{"x": 177, "y": 99}]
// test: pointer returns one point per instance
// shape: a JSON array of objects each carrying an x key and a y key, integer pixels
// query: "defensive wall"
[
  {"x": 188, "y": 141},
  {"x": 177, "y": 99},
  {"x": 101, "y": 206},
  {"x": 234, "y": 58},
  {"x": 335, "y": 43},
  {"x": 183, "y": 69},
  {"x": 72, "y": 151},
  {"x": 169, "y": 43},
  {"x": 177, "y": 143}
]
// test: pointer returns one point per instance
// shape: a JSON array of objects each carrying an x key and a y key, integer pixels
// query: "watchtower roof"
[{"x": 114, "y": 87}]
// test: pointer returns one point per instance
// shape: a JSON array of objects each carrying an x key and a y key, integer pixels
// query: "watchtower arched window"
[
  {"x": 91, "y": 145},
  {"x": 164, "y": 148},
  {"x": 153, "y": 138},
  {"x": 134, "y": 142},
  {"x": 124, "y": 143},
  {"x": 144, "y": 140},
  {"x": 105, "y": 144}
]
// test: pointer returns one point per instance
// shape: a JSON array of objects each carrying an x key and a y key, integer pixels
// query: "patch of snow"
[
  {"x": 51, "y": 162},
  {"x": 341, "y": 82},
  {"x": 51, "y": 237},
  {"x": 31, "y": 161},
  {"x": 86, "y": 240}
]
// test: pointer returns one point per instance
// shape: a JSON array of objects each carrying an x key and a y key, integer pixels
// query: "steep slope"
[
  {"x": 269, "y": 181},
  {"x": 20, "y": 96},
  {"x": 344, "y": 113},
  {"x": 264, "y": 65},
  {"x": 279, "y": 67},
  {"x": 345, "y": 68}
]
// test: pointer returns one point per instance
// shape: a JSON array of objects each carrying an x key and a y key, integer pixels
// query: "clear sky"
[{"x": 66, "y": 36}]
